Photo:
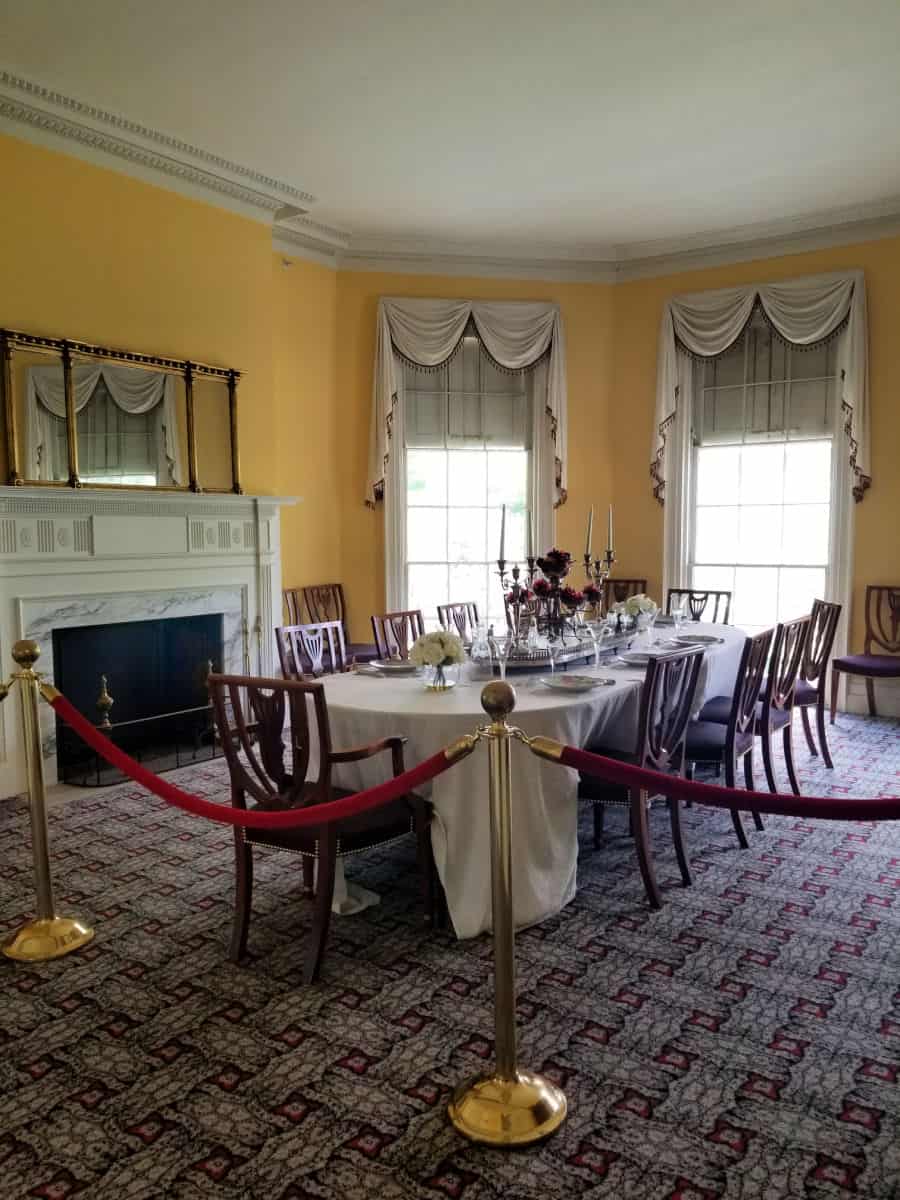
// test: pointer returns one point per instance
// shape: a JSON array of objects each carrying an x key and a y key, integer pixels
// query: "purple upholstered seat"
[
  {"x": 805, "y": 693},
  {"x": 718, "y": 710},
  {"x": 706, "y": 741},
  {"x": 869, "y": 664}
]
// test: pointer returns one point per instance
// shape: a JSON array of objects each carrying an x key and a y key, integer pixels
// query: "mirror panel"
[
  {"x": 213, "y": 432},
  {"x": 43, "y": 453}
]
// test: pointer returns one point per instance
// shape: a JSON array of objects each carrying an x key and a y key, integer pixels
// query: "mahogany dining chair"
[
  {"x": 882, "y": 633},
  {"x": 697, "y": 601},
  {"x": 395, "y": 632},
  {"x": 810, "y": 690}
]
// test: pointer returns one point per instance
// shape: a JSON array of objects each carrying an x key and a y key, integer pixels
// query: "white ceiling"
[{"x": 491, "y": 126}]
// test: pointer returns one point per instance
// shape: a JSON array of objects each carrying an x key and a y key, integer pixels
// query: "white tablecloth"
[{"x": 545, "y": 849}]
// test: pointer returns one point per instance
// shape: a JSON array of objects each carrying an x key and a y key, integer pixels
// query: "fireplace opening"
[{"x": 155, "y": 673}]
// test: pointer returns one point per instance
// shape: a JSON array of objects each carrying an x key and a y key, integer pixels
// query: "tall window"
[
  {"x": 764, "y": 417},
  {"x": 468, "y": 452}
]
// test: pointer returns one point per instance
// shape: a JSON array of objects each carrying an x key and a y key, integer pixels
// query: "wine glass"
[
  {"x": 554, "y": 646},
  {"x": 500, "y": 647},
  {"x": 586, "y": 633}
]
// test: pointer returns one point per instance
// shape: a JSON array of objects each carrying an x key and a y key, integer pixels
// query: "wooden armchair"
[
  {"x": 617, "y": 590},
  {"x": 667, "y": 704},
  {"x": 882, "y": 633},
  {"x": 264, "y": 726},
  {"x": 460, "y": 617},
  {"x": 325, "y": 602},
  {"x": 395, "y": 632},
  {"x": 311, "y": 649},
  {"x": 699, "y": 601}
]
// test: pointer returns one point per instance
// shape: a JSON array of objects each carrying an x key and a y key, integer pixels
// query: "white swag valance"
[
  {"x": 132, "y": 389},
  {"x": 802, "y": 311},
  {"x": 516, "y": 334}
]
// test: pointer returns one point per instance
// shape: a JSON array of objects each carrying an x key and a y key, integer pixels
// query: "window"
[
  {"x": 763, "y": 476},
  {"x": 114, "y": 446},
  {"x": 468, "y": 452}
]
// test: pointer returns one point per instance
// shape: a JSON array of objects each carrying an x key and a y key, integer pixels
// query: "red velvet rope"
[
  {"x": 293, "y": 818},
  {"x": 831, "y": 808}
]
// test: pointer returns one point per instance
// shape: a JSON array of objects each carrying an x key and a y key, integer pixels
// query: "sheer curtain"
[
  {"x": 703, "y": 325},
  {"x": 518, "y": 336},
  {"x": 131, "y": 389}
]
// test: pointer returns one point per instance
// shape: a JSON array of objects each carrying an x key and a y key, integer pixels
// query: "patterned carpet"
[{"x": 742, "y": 1043}]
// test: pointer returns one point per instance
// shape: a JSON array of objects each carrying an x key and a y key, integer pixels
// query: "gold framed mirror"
[{"x": 79, "y": 415}]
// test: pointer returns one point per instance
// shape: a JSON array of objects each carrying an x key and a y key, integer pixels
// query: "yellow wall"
[
  {"x": 638, "y": 309},
  {"x": 89, "y": 253},
  {"x": 588, "y": 317}
]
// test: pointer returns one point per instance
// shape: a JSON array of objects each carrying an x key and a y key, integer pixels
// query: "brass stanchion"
[
  {"x": 48, "y": 935},
  {"x": 508, "y": 1107}
]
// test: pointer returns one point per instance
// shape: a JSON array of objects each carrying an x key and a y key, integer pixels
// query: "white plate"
[
  {"x": 636, "y": 658},
  {"x": 699, "y": 639},
  {"x": 574, "y": 683},
  {"x": 391, "y": 666}
]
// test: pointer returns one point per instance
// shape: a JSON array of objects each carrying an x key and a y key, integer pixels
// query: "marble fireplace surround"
[{"x": 90, "y": 557}]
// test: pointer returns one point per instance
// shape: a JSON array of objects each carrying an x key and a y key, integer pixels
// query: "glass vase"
[{"x": 441, "y": 678}]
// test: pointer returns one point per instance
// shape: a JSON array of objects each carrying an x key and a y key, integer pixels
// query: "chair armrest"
[{"x": 394, "y": 744}]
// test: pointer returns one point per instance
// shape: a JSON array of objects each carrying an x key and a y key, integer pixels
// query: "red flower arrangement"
[
  {"x": 593, "y": 594},
  {"x": 541, "y": 588},
  {"x": 555, "y": 562},
  {"x": 523, "y": 597},
  {"x": 571, "y": 597}
]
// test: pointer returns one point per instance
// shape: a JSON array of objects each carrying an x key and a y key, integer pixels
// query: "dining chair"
[
  {"x": 617, "y": 590},
  {"x": 775, "y": 706},
  {"x": 667, "y": 703},
  {"x": 325, "y": 602},
  {"x": 729, "y": 743},
  {"x": 269, "y": 764},
  {"x": 697, "y": 603},
  {"x": 311, "y": 649},
  {"x": 459, "y": 616},
  {"x": 395, "y": 632},
  {"x": 810, "y": 690},
  {"x": 883, "y": 633}
]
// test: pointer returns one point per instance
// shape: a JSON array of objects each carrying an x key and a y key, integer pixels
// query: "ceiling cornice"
[{"x": 50, "y": 118}]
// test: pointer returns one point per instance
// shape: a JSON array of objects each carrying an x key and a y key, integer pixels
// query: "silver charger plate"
[
  {"x": 699, "y": 639},
  {"x": 390, "y": 666},
  {"x": 574, "y": 683}
]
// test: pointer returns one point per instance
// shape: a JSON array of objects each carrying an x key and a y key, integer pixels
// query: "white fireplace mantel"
[{"x": 90, "y": 556}]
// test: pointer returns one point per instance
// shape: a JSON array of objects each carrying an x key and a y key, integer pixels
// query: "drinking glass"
[
  {"x": 587, "y": 633},
  {"x": 554, "y": 646},
  {"x": 678, "y": 614},
  {"x": 500, "y": 647}
]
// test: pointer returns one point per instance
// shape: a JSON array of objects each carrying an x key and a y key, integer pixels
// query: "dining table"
[{"x": 364, "y": 707}]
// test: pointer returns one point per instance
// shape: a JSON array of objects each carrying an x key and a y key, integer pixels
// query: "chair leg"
[
  {"x": 243, "y": 895},
  {"x": 820, "y": 725},
  {"x": 870, "y": 697},
  {"x": 768, "y": 766},
  {"x": 835, "y": 683},
  {"x": 425, "y": 857},
  {"x": 641, "y": 826},
  {"x": 309, "y": 875},
  {"x": 324, "y": 897},
  {"x": 599, "y": 823},
  {"x": 789, "y": 758},
  {"x": 735, "y": 815},
  {"x": 807, "y": 729},
  {"x": 751, "y": 787},
  {"x": 678, "y": 839}
]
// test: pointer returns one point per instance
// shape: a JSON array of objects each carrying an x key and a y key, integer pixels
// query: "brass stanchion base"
[
  {"x": 46, "y": 937},
  {"x": 505, "y": 1112}
]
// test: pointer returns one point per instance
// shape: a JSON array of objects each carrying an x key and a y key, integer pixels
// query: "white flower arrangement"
[
  {"x": 438, "y": 649},
  {"x": 636, "y": 606}
]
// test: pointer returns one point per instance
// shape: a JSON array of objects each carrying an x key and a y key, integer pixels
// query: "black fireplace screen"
[{"x": 156, "y": 676}]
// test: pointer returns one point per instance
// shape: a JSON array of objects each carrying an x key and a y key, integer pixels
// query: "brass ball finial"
[
  {"x": 498, "y": 699},
  {"x": 26, "y": 653}
]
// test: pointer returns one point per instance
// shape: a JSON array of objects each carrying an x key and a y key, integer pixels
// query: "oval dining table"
[{"x": 364, "y": 707}]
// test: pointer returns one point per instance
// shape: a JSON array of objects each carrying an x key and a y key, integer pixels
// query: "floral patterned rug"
[{"x": 744, "y": 1042}]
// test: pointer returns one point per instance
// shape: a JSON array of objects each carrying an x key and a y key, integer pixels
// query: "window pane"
[
  {"x": 515, "y": 535},
  {"x": 427, "y": 588},
  {"x": 797, "y": 588},
  {"x": 759, "y": 538},
  {"x": 756, "y": 596},
  {"x": 717, "y": 474},
  {"x": 762, "y": 471},
  {"x": 426, "y": 535},
  {"x": 426, "y": 477},
  {"x": 807, "y": 473},
  {"x": 718, "y": 579},
  {"x": 507, "y": 477},
  {"x": 467, "y": 477},
  {"x": 469, "y": 581},
  {"x": 466, "y": 540},
  {"x": 716, "y": 535},
  {"x": 806, "y": 528}
]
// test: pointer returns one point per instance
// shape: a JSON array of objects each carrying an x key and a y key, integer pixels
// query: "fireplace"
[{"x": 155, "y": 673}]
